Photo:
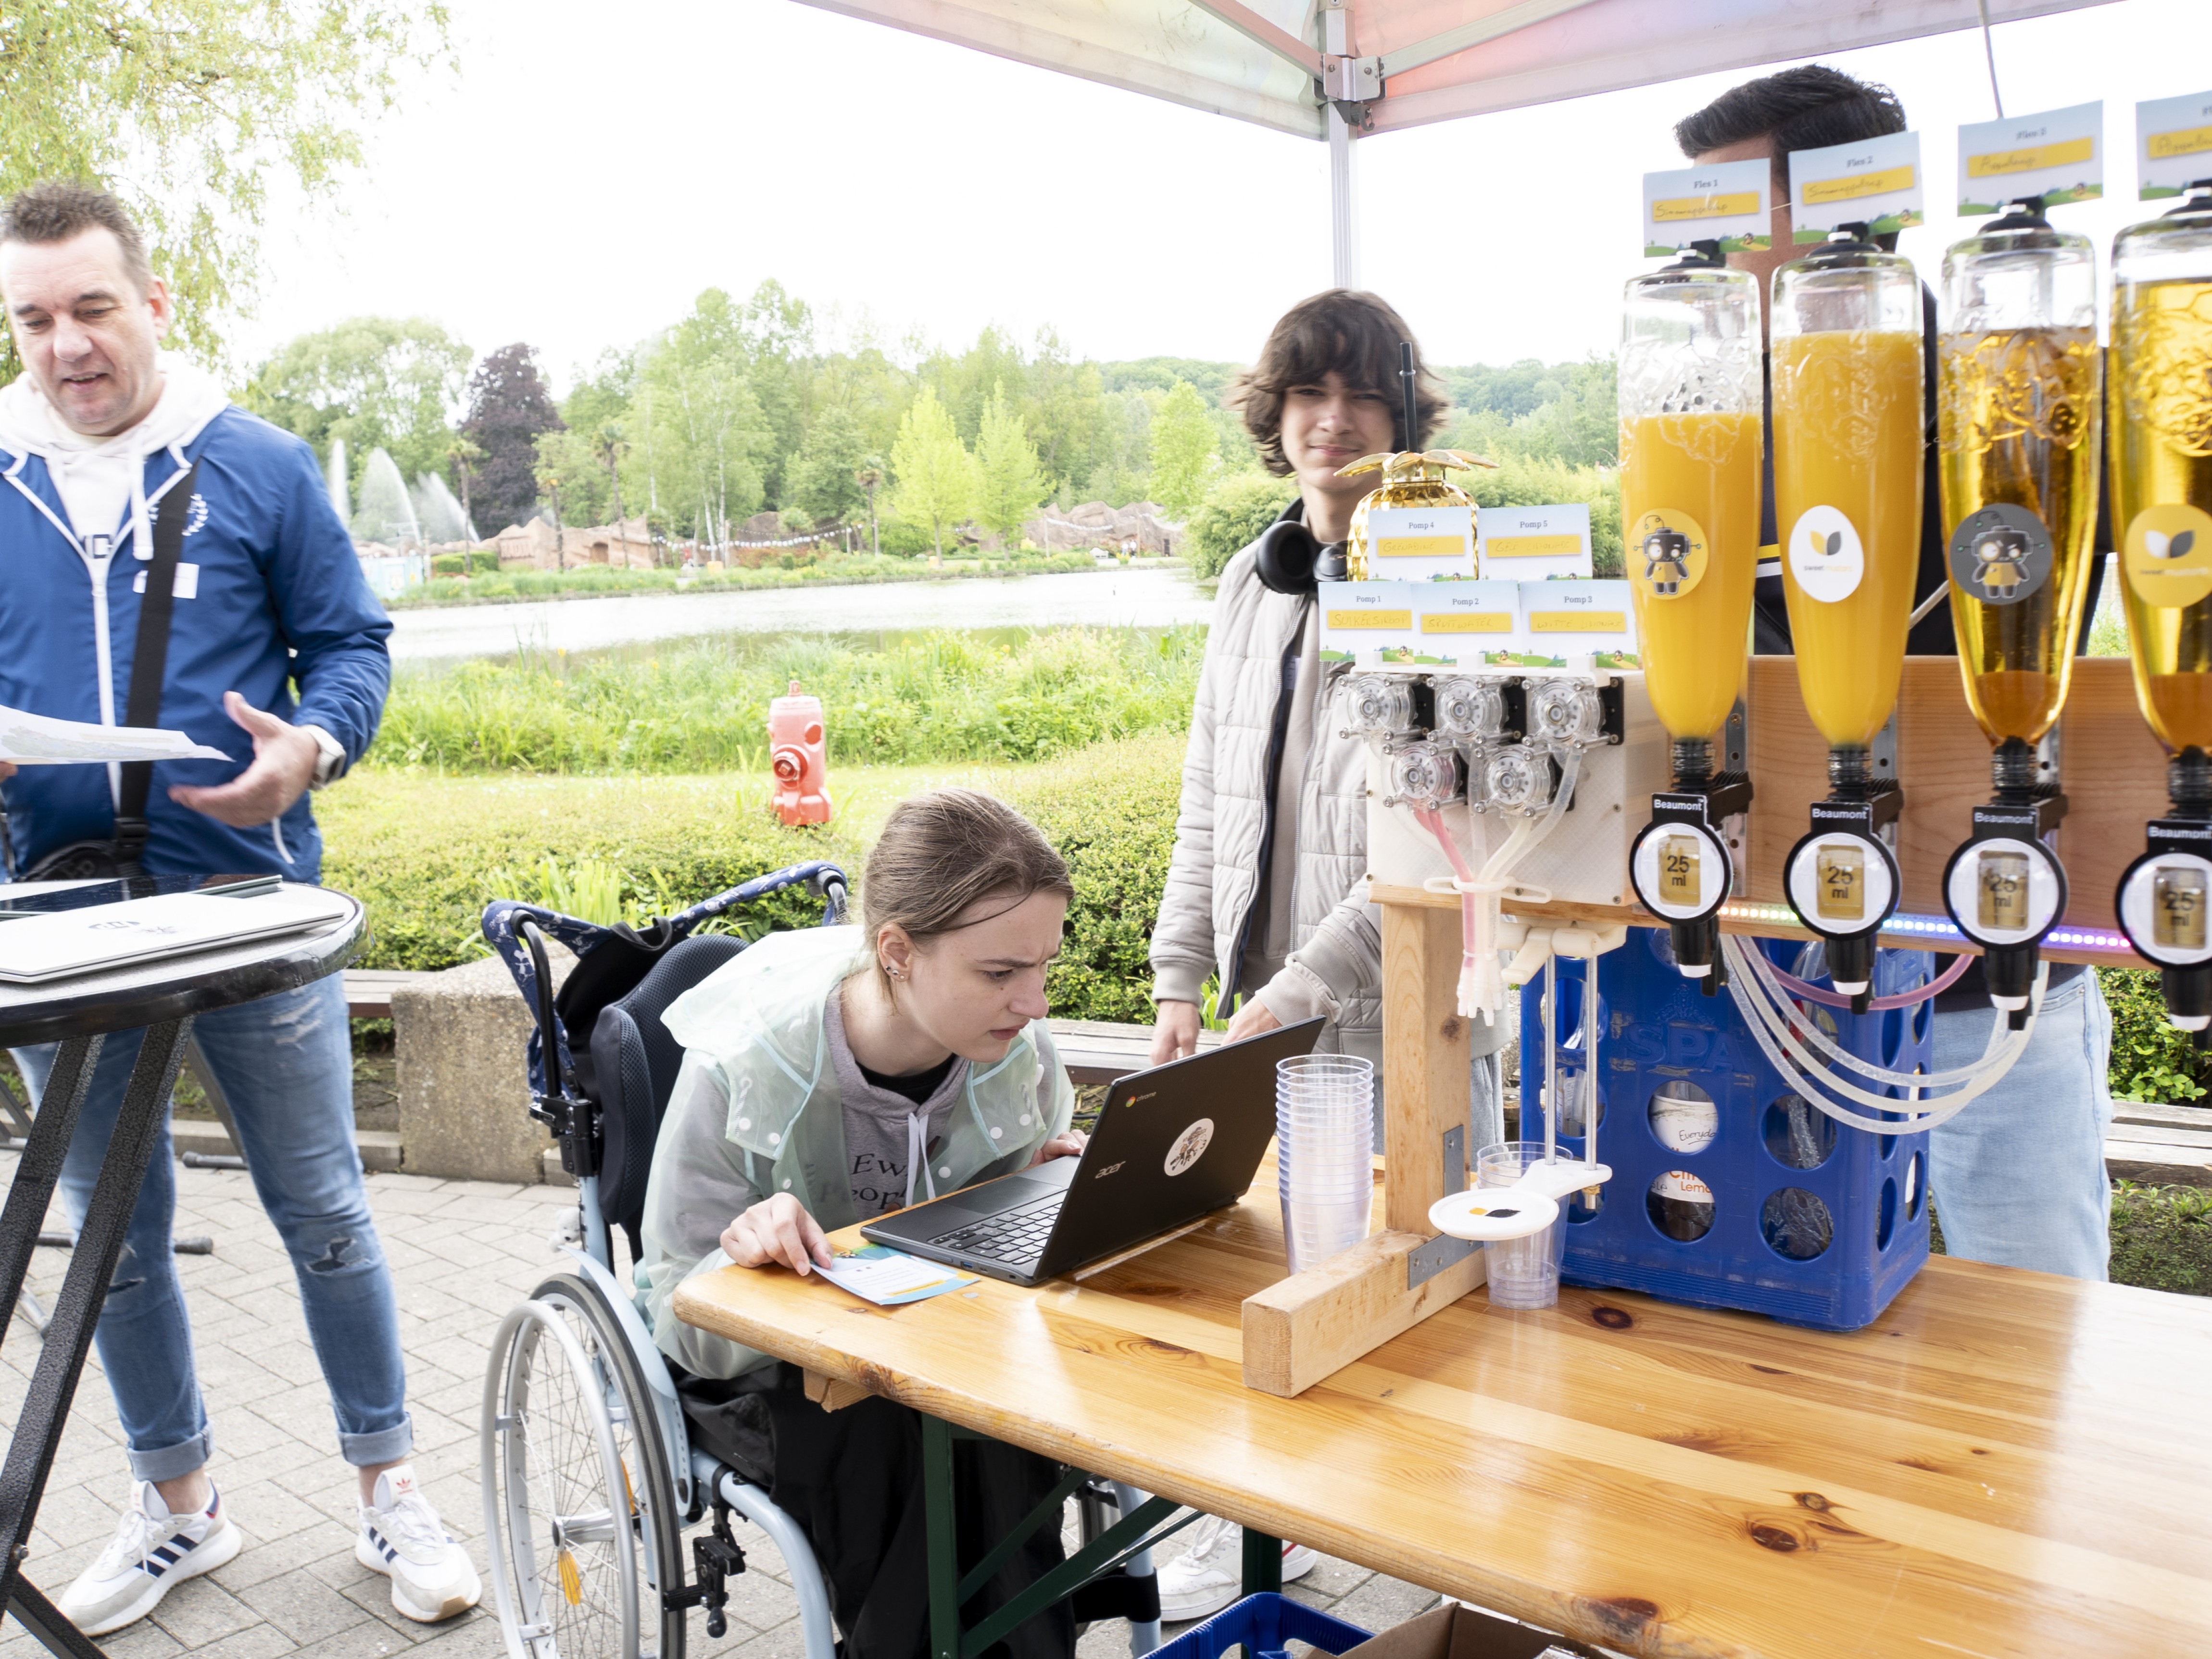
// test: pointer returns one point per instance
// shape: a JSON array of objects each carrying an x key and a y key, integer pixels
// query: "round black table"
[{"x": 160, "y": 998}]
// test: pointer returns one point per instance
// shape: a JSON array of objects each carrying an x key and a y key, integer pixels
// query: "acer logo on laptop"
[{"x": 1108, "y": 1171}]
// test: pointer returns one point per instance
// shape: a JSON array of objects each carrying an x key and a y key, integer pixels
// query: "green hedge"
[
  {"x": 426, "y": 853},
  {"x": 2151, "y": 1061},
  {"x": 2162, "y": 1238}
]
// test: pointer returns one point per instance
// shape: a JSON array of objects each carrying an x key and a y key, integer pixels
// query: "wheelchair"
[{"x": 589, "y": 1480}]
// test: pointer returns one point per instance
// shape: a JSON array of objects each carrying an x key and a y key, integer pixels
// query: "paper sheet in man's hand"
[{"x": 28, "y": 739}]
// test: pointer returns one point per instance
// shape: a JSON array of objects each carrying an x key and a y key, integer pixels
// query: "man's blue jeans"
[
  {"x": 2018, "y": 1177},
  {"x": 285, "y": 1064}
]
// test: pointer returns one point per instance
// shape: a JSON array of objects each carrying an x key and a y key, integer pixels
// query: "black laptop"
[{"x": 1172, "y": 1145}]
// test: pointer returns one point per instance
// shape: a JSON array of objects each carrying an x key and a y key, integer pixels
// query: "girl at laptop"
[{"x": 831, "y": 1076}]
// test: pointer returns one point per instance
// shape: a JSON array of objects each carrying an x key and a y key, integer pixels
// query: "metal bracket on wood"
[{"x": 1427, "y": 1260}]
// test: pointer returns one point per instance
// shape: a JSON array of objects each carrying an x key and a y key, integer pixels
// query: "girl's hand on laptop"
[
  {"x": 1069, "y": 1143},
  {"x": 777, "y": 1229}
]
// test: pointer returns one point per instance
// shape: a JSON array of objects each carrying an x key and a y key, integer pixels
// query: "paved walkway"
[{"x": 462, "y": 1252}]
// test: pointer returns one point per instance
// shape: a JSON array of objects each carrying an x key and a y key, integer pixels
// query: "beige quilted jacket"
[{"x": 1212, "y": 878}]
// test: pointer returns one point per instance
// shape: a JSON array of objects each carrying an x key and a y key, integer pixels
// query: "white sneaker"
[
  {"x": 1210, "y": 1574},
  {"x": 401, "y": 1536},
  {"x": 151, "y": 1550}
]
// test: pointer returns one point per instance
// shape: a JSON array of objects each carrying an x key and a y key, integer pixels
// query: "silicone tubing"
[
  {"x": 1762, "y": 970},
  {"x": 1811, "y": 992},
  {"x": 2005, "y": 1047}
]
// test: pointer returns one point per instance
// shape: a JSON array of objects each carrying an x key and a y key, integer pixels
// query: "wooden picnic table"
[{"x": 2005, "y": 1464}]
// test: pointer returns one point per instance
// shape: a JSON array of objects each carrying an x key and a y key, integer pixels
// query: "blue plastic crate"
[
  {"x": 1784, "y": 1178},
  {"x": 1264, "y": 1625}
]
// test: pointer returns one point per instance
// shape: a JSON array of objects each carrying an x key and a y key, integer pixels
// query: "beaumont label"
[
  {"x": 1420, "y": 547},
  {"x": 1579, "y": 622},
  {"x": 2030, "y": 160},
  {"x": 1704, "y": 207},
  {"x": 2190, "y": 141},
  {"x": 1468, "y": 622},
  {"x": 1370, "y": 619},
  {"x": 1866, "y": 184},
  {"x": 1533, "y": 546}
]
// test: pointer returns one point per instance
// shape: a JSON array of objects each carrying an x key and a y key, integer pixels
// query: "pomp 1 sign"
[{"x": 1725, "y": 202}]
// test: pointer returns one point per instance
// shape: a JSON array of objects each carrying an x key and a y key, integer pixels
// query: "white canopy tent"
[{"x": 1343, "y": 69}]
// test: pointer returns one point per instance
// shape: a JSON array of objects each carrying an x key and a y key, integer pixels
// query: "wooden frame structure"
[{"x": 1311, "y": 1324}]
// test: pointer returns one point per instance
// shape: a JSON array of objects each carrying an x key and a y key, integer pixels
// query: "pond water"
[{"x": 1118, "y": 599}]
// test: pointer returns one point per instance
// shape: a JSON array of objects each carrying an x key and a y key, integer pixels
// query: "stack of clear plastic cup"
[
  {"x": 1324, "y": 1132},
  {"x": 1524, "y": 1272}
]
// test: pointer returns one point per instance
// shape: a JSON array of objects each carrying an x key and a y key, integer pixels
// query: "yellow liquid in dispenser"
[
  {"x": 1694, "y": 644},
  {"x": 2160, "y": 408},
  {"x": 2020, "y": 428},
  {"x": 1848, "y": 435}
]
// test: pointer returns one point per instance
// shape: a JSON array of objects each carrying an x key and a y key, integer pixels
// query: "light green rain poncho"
[{"x": 756, "y": 1110}]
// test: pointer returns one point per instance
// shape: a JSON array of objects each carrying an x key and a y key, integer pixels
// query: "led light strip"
[{"x": 1930, "y": 928}]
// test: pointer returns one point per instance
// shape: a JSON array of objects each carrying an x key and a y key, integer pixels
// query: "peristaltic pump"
[
  {"x": 1845, "y": 323},
  {"x": 1690, "y": 442},
  {"x": 2160, "y": 407},
  {"x": 2018, "y": 427}
]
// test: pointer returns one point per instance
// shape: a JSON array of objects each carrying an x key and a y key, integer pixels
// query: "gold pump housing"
[{"x": 1411, "y": 478}]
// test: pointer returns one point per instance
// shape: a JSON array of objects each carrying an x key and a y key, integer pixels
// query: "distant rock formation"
[{"x": 1141, "y": 527}]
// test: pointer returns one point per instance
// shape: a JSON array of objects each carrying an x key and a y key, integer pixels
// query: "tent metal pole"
[{"x": 1343, "y": 204}]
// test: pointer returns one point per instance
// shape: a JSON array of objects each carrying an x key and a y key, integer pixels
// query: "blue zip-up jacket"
[{"x": 280, "y": 613}]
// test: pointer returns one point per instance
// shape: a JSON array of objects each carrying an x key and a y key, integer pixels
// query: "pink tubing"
[
  {"x": 1433, "y": 822},
  {"x": 1798, "y": 987}
]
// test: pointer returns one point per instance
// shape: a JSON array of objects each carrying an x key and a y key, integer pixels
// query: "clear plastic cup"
[
  {"x": 1524, "y": 1272},
  {"x": 1324, "y": 1111}
]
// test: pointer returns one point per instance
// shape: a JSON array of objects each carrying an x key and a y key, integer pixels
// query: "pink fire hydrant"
[{"x": 800, "y": 757}]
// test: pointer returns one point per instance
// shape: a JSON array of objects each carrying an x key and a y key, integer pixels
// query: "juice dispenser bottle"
[
  {"x": 1690, "y": 443},
  {"x": 2018, "y": 430},
  {"x": 1845, "y": 323},
  {"x": 2160, "y": 395}
]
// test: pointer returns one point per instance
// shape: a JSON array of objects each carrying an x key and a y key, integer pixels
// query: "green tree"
[
  {"x": 1010, "y": 482},
  {"x": 569, "y": 476},
  {"x": 189, "y": 108},
  {"x": 1184, "y": 458},
  {"x": 387, "y": 382},
  {"x": 702, "y": 435},
  {"x": 825, "y": 474},
  {"x": 1238, "y": 506},
  {"x": 935, "y": 485}
]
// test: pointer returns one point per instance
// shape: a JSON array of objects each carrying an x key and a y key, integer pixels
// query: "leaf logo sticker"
[
  {"x": 2154, "y": 543},
  {"x": 2181, "y": 544}
]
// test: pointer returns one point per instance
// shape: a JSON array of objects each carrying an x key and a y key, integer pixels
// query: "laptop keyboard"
[{"x": 1013, "y": 1237}]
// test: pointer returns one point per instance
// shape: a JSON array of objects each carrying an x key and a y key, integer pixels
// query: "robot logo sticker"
[
  {"x": 2000, "y": 554},
  {"x": 1667, "y": 554},
  {"x": 1190, "y": 1146},
  {"x": 2168, "y": 554},
  {"x": 1824, "y": 556}
]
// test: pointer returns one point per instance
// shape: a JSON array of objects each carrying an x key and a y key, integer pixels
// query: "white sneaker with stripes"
[
  {"x": 402, "y": 1537},
  {"x": 152, "y": 1549}
]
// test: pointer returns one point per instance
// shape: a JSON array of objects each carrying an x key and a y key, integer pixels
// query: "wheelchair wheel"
[{"x": 580, "y": 1505}]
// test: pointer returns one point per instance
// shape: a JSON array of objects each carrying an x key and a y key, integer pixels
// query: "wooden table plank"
[{"x": 2005, "y": 1464}]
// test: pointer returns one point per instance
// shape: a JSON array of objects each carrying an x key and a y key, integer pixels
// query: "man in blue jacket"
[{"x": 275, "y": 656}]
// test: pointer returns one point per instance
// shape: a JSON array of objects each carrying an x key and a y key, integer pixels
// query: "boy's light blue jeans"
[
  {"x": 285, "y": 1064},
  {"x": 2018, "y": 1177}
]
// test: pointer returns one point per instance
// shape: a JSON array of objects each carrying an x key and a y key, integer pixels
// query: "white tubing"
[
  {"x": 2005, "y": 1047},
  {"x": 1482, "y": 990},
  {"x": 1762, "y": 973}
]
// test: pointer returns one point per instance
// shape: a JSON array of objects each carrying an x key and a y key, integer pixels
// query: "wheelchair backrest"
[{"x": 634, "y": 1065}]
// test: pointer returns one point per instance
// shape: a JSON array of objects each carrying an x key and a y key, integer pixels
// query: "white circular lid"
[{"x": 1494, "y": 1212}]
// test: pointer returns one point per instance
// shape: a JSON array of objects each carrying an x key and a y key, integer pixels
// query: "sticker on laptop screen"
[{"x": 1190, "y": 1146}]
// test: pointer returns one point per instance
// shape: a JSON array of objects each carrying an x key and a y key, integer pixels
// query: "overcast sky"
[{"x": 591, "y": 169}]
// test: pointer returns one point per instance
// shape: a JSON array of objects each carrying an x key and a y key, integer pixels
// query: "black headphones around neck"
[{"x": 1288, "y": 558}]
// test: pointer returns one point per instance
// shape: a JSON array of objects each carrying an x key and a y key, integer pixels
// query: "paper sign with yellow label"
[
  {"x": 2173, "y": 144},
  {"x": 1461, "y": 624},
  {"x": 1875, "y": 184},
  {"x": 1369, "y": 622},
  {"x": 1568, "y": 620},
  {"x": 1523, "y": 543},
  {"x": 1418, "y": 544},
  {"x": 2059, "y": 156},
  {"x": 1725, "y": 202}
]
